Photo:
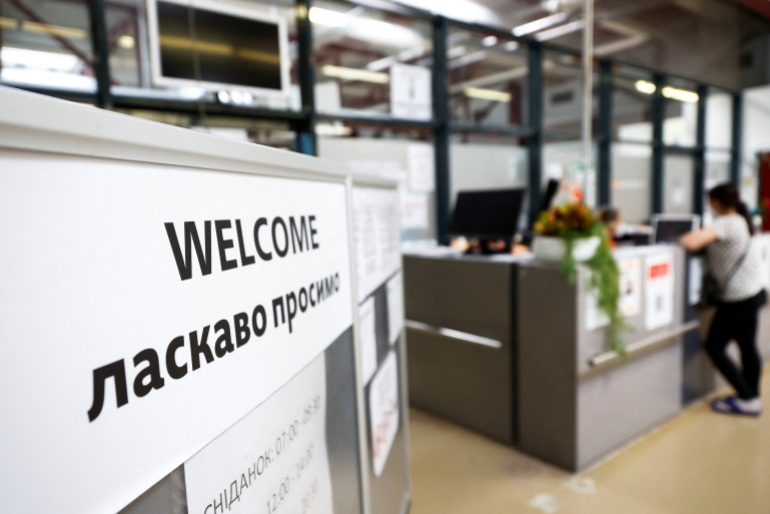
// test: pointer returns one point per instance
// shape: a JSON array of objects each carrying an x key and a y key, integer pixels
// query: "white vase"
[{"x": 553, "y": 248}]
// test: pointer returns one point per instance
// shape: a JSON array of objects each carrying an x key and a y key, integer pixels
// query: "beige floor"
[{"x": 700, "y": 463}]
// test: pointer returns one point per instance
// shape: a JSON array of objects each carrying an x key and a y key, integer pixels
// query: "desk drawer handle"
[{"x": 455, "y": 335}]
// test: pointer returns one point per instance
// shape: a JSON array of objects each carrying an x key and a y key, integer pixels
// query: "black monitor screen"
[
  {"x": 669, "y": 231},
  {"x": 230, "y": 49},
  {"x": 487, "y": 214}
]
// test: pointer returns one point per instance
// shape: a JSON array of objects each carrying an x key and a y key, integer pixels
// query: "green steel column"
[
  {"x": 605, "y": 133},
  {"x": 441, "y": 128},
  {"x": 306, "y": 138},
  {"x": 535, "y": 141}
]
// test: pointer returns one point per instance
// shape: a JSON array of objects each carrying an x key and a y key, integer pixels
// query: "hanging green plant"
[{"x": 574, "y": 223}]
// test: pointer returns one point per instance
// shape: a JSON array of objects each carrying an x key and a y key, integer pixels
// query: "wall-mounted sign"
[{"x": 410, "y": 92}]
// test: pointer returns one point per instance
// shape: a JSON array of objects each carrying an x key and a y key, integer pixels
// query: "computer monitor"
[
  {"x": 218, "y": 46},
  {"x": 487, "y": 215},
  {"x": 669, "y": 228}
]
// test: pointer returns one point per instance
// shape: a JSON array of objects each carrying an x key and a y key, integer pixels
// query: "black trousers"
[{"x": 738, "y": 321}]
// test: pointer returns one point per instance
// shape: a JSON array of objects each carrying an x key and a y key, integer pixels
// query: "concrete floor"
[{"x": 701, "y": 462}]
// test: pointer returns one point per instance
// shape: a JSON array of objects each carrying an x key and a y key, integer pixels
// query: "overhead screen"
[{"x": 217, "y": 46}]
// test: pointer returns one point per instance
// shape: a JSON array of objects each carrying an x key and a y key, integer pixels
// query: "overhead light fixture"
[
  {"x": 8, "y": 23},
  {"x": 672, "y": 93},
  {"x": 332, "y": 129},
  {"x": 487, "y": 94},
  {"x": 455, "y": 52},
  {"x": 561, "y": 30},
  {"x": 489, "y": 41},
  {"x": 354, "y": 74},
  {"x": 681, "y": 95},
  {"x": 645, "y": 87},
  {"x": 37, "y": 60},
  {"x": 53, "y": 30},
  {"x": 540, "y": 24},
  {"x": 327, "y": 17},
  {"x": 126, "y": 42},
  {"x": 511, "y": 46},
  {"x": 467, "y": 60}
]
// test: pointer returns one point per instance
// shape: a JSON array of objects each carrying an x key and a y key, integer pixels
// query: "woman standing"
[{"x": 737, "y": 272}]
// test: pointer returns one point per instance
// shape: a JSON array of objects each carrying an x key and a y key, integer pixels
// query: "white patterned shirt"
[{"x": 733, "y": 240}]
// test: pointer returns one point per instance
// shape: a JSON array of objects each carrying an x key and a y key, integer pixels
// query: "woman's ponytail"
[{"x": 727, "y": 195}]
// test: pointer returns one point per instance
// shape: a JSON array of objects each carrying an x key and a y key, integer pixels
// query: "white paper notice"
[
  {"x": 290, "y": 428},
  {"x": 414, "y": 211},
  {"x": 761, "y": 246},
  {"x": 659, "y": 291},
  {"x": 630, "y": 286},
  {"x": 595, "y": 317},
  {"x": 410, "y": 92},
  {"x": 368, "y": 339},
  {"x": 395, "y": 291},
  {"x": 696, "y": 280},
  {"x": 377, "y": 237},
  {"x": 383, "y": 411},
  {"x": 422, "y": 171}
]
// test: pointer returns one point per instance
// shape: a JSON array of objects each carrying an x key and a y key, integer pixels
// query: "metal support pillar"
[
  {"x": 699, "y": 183},
  {"x": 441, "y": 130},
  {"x": 306, "y": 138},
  {"x": 658, "y": 115},
  {"x": 605, "y": 132},
  {"x": 101, "y": 53},
  {"x": 735, "y": 168},
  {"x": 535, "y": 141}
]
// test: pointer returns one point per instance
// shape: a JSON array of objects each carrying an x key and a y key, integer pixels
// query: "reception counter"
[{"x": 507, "y": 347}]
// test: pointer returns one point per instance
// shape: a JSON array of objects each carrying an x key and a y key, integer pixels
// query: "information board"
[
  {"x": 381, "y": 321},
  {"x": 178, "y": 323}
]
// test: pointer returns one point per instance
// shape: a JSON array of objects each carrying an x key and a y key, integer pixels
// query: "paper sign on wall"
[
  {"x": 366, "y": 314},
  {"x": 383, "y": 411},
  {"x": 422, "y": 171},
  {"x": 659, "y": 291},
  {"x": 377, "y": 237},
  {"x": 410, "y": 92},
  {"x": 290, "y": 428},
  {"x": 630, "y": 286},
  {"x": 395, "y": 293}
]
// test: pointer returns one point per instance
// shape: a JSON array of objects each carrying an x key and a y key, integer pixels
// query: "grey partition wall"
[
  {"x": 460, "y": 332},
  {"x": 577, "y": 401}
]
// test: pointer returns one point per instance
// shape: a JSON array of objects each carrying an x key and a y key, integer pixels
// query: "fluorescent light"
[
  {"x": 412, "y": 53},
  {"x": 127, "y": 42},
  {"x": 673, "y": 93},
  {"x": 37, "y": 60},
  {"x": 681, "y": 95},
  {"x": 538, "y": 25},
  {"x": 645, "y": 87},
  {"x": 467, "y": 60},
  {"x": 487, "y": 94},
  {"x": 354, "y": 74},
  {"x": 8, "y": 23},
  {"x": 489, "y": 41},
  {"x": 456, "y": 52},
  {"x": 327, "y": 17},
  {"x": 511, "y": 46},
  {"x": 332, "y": 129},
  {"x": 561, "y": 30},
  {"x": 54, "y": 30}
]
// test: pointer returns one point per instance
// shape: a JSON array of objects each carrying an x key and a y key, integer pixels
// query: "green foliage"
[{"x": 604, "y": 278}]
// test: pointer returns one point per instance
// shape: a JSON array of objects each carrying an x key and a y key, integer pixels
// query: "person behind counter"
[{"x": 727, "y": 243}]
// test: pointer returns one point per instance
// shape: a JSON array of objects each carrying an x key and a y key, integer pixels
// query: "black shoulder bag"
[{"x": 711, "y": 290}]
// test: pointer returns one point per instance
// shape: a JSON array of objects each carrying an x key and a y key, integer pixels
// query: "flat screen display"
[
  {"x": 217, "y": 47},
  {"x": 491, "y": 214},
  {"x": 669, "y": 229}
]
